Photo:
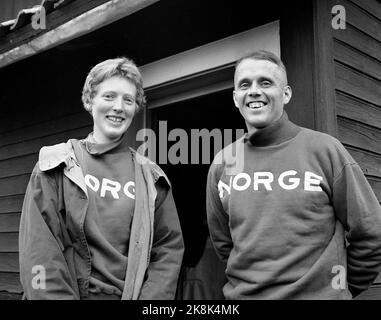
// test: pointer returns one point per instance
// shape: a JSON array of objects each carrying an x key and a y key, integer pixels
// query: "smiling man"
[
  {"x": 289, "y": 210},
  {"x": 98, "y": 219}
]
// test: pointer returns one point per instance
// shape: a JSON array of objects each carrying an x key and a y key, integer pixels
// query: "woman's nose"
[{"x": 118, "y": 104}]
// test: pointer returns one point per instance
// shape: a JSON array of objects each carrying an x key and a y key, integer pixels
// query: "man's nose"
[{"x": 254, "y": 89}]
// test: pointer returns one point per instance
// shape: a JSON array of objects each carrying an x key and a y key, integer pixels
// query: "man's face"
[
  {"x": 113, "y": 109},
  {"x": 260, "y": 92}
]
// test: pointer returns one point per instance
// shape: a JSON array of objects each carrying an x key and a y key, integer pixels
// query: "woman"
[{"x": 98, "y": 219}]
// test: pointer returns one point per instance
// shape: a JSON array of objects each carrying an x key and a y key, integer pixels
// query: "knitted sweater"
[{"x": 280, "y": 220}]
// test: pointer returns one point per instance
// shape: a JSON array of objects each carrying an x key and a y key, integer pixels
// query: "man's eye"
[
  {"x": 266, "y": 83},
  {"x": 244, "y": 85}
]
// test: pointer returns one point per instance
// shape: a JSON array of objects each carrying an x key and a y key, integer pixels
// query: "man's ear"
[
  {"x": 287, "y": 94},
  {"x": 234, "y": 99}
]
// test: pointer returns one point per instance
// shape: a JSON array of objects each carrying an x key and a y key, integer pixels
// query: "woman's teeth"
[{"x": 115, "y": 119}]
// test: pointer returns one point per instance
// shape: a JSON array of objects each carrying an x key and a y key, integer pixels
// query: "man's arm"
[
  {"x": 358, "y": 209},
  {"x": 167, "y": 250},
  {"x": 44, "y": 273},
  {"x": 218, "y": 219}
]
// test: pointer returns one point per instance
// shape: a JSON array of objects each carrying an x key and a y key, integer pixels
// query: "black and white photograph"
[{"x": 198, "y": 152}]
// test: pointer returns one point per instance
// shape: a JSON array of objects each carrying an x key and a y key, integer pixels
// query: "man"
[
  {"x": 99, "y": 221},
  {"x": 289, "y": 210}
]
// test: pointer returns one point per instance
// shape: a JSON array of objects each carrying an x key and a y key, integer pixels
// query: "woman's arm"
[{"x": 44, "y": 272}]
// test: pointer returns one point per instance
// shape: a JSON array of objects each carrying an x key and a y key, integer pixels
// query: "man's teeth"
[
  {"x": 256, "y": 105},
  {"x": 116, "y": 119}
]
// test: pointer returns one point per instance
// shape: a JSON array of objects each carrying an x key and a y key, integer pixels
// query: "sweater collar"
[
  {"x": 95, "y": 148},
  {"x": 280, "y": 131}
]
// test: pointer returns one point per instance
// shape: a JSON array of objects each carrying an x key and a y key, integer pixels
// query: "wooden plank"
[
  {"x": 358, "y": 110},
  {"x": 10, "y": 296},
  {"x": 9, "y": 242},
  {"x": 357, "y": 60},
  {"x": 323, "y": 72},
  {"x": 53, "y": 126},
  {"x": 357, "y": 84},
  {"x": 373, "y": 293},
  {"x": 10, "y": 282},
  {"x": 360, "y": 41},
  {"x": 33, "y": 146},
  {"x": 359, "y": 136},
  {"x": 11, "y": 204},
  {"x": 87, "y": 22},
  {"x": 63, "y": 106},
  {"x": 54, "y": 19},
  {"x": 371, "y": 6},
  {"x": 10, "y": 9},
  {"x": 296, "y": 35},
  {"x": 369, "y": 163},
  {"x": 17, "y": 166},
  {"x": 14, "y": 185},
  {"x": 9, "y": 262},
  {"x": 361, "y": 19},
  {"x": 9, "y": 222},
  {"x": 378, "y": 279}
]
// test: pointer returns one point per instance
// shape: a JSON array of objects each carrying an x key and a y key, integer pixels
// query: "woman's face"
[{"x": 113, "y": 108}]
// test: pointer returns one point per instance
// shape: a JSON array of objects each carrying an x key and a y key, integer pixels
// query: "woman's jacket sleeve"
[{"x": 44, "y": 272}]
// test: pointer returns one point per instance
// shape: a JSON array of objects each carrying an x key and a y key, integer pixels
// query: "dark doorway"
[{"x": 213, "y": 111}]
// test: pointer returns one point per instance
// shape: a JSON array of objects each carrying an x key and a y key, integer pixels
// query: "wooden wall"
[
  {"x": 357, "y": 56},
  {"x": 357, "y": 68},
  {"x": 18, "y": 154}
]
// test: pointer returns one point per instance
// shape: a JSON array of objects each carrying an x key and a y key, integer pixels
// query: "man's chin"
[{"x": 257, "y": 124}]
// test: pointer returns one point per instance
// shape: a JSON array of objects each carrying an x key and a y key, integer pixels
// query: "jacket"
[{"x": 52, "y": 237}]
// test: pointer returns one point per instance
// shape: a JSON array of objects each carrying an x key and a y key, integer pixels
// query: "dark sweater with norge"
[{"x": 280, "y": 218}]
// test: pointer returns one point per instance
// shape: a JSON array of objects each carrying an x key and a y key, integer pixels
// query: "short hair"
[
  {"x": 263, "y": 55},
  {"x": 122, "y": 67}
]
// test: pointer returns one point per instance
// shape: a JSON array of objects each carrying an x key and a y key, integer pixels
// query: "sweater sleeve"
[
  {"x": 167, "y": 250},
  {"x": 218, "y": 219},
  {"x": 44, "y": 272},
  {"x": 358, "y": 209}
]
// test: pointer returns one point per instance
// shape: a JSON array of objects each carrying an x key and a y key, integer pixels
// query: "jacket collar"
[{"x": 52, "y": 156}]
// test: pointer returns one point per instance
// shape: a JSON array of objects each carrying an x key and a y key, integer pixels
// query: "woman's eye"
[
  {"x": 108, "y": 96},
  {"x": 129, "y": 100}
]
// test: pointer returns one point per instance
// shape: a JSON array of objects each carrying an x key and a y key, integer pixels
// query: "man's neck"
[{"x": 280, "y": 131}]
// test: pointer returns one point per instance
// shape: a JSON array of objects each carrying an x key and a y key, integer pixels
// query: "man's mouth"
[
  {"x": 115, "y": 119},
  {"x": 256, "y": 105}
]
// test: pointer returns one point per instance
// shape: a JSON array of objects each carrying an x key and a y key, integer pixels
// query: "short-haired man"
[{"x": 289, "y": 210}]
